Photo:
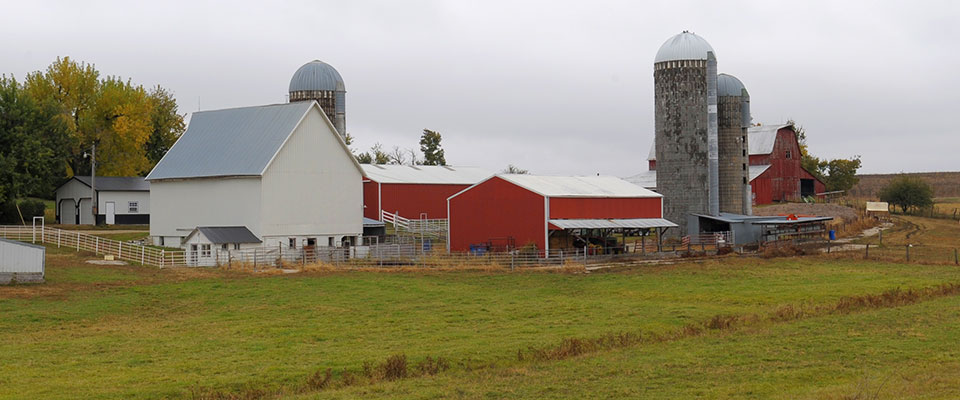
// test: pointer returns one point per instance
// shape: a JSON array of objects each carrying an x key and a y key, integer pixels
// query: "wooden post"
[
  {"x": 881, "y": 237},
  {"x": 866, "y": 255},
  {"x": 96, "y": 246},
  {"x": 58, "y": 237},
  {"x": 162, "y": 254},
  {"x": 143, "y": 250},
  {"x": 908, "y": 252},
  {"x": 78, "y": 241},
  {"x": 956, "y": 257},
  {"x": 120, "y": 250}
]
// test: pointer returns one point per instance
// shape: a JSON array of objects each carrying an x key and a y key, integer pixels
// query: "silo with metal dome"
[
  {"x": 685, "y": 113},
  {"x": 733, "y": 119},
  {"x": 317, "y": 80}
]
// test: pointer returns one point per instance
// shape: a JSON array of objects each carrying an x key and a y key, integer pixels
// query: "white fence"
[
  {"x": 125, "y": 251},
  {"x": 21, "y": 262}
]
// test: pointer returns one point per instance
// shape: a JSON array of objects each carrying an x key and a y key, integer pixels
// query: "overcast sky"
[{"x": 553, "y": 87}]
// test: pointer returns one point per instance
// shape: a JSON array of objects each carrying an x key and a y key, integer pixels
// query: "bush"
[
  {"x": 28, "y": 208},
  {"x": 906, "y": 193}
]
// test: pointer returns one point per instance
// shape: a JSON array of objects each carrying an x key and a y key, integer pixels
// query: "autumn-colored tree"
[
  {"x": 837, "y": 174},
  {"x": 166, "y": 124},
  {"x": 113, "y": 113}
]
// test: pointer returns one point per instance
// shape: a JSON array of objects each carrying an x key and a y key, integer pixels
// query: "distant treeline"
[
  {"x": 945, "y": 184},
  {"x": 50, "y": 121}
]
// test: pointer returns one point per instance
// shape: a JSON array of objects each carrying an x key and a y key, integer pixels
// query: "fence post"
[
  {"x": 162, "y": 253},
  {"x": 584, "y": 255},
  {"x": 58, "y": 237},
  {"x": 512, "y": 256},
  {"x": 120, "y": 250},
  {"x": 78, "y": 241},
  {"x": 908, "y": 252},
  {"x": 956, "y": 257},
  {"x": 96, "y": 246},
  {"x": 881, "y": 237},
  {"x": 866, "y": 255},
  {"x": 142, "y": 251}
]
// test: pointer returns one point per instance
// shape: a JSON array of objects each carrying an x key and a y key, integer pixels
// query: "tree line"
[
  {"x": 431, "y": 152},
  {"x": 50, "y": 121}
]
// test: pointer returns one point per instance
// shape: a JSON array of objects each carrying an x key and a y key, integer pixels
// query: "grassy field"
[{"x": 129, "y": 332}]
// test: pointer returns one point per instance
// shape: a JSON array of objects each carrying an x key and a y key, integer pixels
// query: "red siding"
[
  {"x": 370, "y": 200},
  {"x": 762, "y": 193},
  {"x": 409, "y": 200},
  {"x": 496, "y": 209},
  {"x": 819, "y": 187},
  {"x": 603, "y": 208},
  {"x": 652, "y": 165}
]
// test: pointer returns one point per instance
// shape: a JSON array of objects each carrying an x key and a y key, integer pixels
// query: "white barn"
[
  {"x": 280, "y": 171},
  {"x": 121, "y": 200}
]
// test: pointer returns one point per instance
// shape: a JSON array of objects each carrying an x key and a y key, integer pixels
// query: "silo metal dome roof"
[
  {"x": 729, "y": 85},
  {"x": 684, "y": 46},
  {"x": 316, "y": 75}
]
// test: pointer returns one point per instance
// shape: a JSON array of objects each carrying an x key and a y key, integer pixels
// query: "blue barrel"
[
  {"x": 427, "y": 245},
  {"x": 833, "y": 234}
]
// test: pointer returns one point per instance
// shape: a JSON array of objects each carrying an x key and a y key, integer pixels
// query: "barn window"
[
  {"x": 744, "y": 180},
  {"x": 134, "y": 207},
  {"x": 236, "y": 246},
  {"x": 223, "y": 246},
  {"x": 788, "y": 154},
  {"x": 292, "y": 243},
  {"x": 330, "y": 241},
  {"x": 205, "y": 250}
]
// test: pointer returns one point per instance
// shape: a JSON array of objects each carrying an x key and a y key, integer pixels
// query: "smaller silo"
[
  {"x": 319, "y": 81},
  {"x": 733, "y": 103}
]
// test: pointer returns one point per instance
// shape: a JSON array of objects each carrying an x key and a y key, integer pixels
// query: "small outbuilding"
[
  {"x": 415, "y": 191},
  {"x": 878, "y": 209},
  {"x": 206, "y": 244},
  {"x": 21, "y": 262},
  {"x": 550, "y": 212},
  {"x": 121, "y": 200}
]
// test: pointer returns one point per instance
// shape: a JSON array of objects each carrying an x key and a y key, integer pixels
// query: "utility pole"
[{"x": 93, "y": 181}]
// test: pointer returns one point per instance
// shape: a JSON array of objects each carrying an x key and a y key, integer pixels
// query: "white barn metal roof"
[
  {"x": 234, "y": 142},
  {"x": 757, "y": 170},
  {"x": 425, "y": 174},
  {"x": 647, "y": 179},
  {"x": 578, "y": 186}
]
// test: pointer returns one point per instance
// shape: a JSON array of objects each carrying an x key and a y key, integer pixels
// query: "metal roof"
[
  {"x": 425, "y": 174},
  {"x": 785, "y": 221},
  {"x": 646, "y": 179},
  {"x": 632, "y": 223},
  {"x": 316, "y": 75},
  {"x": 227, "y": 234},
  {"x": 684, "y": 46},
  {"x": 761, "y": 140},
  {"x": 729, "y": 85},
  {"x": 372, "y": 223},
  {"x": 118, "y": 183},
  {"x": 232, "y": 142},
  {"x": 757, "y": 170},
  {"x": 578, "y": 186}
]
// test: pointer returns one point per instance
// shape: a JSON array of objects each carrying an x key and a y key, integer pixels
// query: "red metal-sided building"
[
  {"x": 414, "y": 191},
  {"x": 775, "y": 170},
  {"x": 549, "y": 212}
]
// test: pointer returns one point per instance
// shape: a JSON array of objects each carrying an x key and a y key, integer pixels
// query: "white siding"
[
  {"x": 20, "y": 261},
  {"x": 312, "y": 188},
  {"x": 179, "y": 206},
  {"x": 122, "y": 200},
  {"x": 79, "y": 193}
]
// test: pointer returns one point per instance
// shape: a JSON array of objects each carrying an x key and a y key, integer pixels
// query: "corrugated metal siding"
[
  {"x": 21, "y": 258},
  {"x": 496, "y": 208},
  {"x": 410, "y": 201},
  {"x": 634, "y": 223},
  {"x": 231, "y": 142},
  {"x": 587, "y": 208}
]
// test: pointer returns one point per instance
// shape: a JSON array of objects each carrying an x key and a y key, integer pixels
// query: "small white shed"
[
  {"x": 21, "y": 262},
  {"x": 206, "y": 244}
]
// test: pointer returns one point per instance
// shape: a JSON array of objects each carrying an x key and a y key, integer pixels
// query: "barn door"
[{"x": 111, "y": 212}]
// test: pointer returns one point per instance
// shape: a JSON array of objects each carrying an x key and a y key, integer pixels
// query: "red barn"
[
  {"x": 414, "y": 190},
  {"x": 775, "y": 170},
  {"x": 775, "y": 154},
  {"x": 549, "y": 212}
]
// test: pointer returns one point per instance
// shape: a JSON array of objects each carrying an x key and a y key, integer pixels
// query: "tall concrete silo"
[
  {"x": 317, "y": 80},
  {"x": 685, "y": 97},
  {"x": 733, "y": 118}
]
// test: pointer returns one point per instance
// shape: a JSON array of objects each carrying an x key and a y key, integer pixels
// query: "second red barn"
[
  {"x": 549, "y": 212},
  {"x": 414, "y": 191}
]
